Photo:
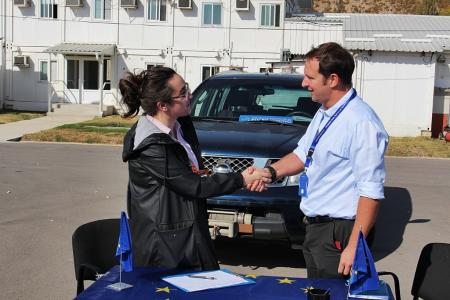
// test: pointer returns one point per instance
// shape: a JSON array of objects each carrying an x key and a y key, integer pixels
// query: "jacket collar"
[{"x": 142, "y": 134}]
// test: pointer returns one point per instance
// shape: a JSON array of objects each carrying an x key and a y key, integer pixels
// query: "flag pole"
[
  {"x": 123, "y": 245},
  {"x": 120, "y": 273}
]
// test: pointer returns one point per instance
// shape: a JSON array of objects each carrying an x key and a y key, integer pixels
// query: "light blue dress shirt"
[{"x": 348, "y": 161}]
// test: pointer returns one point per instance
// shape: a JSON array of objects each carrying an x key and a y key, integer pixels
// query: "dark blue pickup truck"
[{"x": 245, "y": 119}]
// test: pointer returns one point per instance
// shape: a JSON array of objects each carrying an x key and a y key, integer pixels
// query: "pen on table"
[{"x": 202, "y": 277}]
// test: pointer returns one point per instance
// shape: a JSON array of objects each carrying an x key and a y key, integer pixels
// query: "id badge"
[{"x": 303, "y": 185}]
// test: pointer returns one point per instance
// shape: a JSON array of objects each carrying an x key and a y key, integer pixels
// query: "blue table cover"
[{"x": 147, "y": 284}]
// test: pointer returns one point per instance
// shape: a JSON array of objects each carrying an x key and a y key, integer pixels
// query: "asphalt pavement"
[{"x": 47, "y": 190}]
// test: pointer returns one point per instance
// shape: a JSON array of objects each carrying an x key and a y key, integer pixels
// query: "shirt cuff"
[{"x": 373, "y": 190}]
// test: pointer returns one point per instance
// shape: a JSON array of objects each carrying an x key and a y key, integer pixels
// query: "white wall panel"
[
  {"x": 257, "y": 40},
  {"x": 399, "y": 87},
  {"x": 443, "y": 73},
  {"x": 301, "y": 36}
]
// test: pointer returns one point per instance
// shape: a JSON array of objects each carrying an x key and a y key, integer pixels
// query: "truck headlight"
[{"x": 293, "y": 180}]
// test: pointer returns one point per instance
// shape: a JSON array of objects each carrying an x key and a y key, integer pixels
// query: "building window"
[
  {"x": 43, "y": 70},
  {"x": 90, "y": 75},
  {"x": 270, "y": 15},
  {"x": 212, "y": 14},
  {"x": 73, "y": 69},
  {"x": 53, "y": 70},
  {"x": 107, "y": 74},
  {"x": 156, "y": 10},
  {"x": 208, "y": 71},
  {"x": 265, "y": 70},
  {"x": 49, "y": 9},
  {"x": 102, "y": 9}
]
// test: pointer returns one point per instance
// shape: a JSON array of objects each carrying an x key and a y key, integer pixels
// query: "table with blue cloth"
[{"x": 148, "y": 285}]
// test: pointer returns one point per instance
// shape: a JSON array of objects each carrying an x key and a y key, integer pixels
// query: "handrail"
[
  {"x": 105, "y": 83},
  {"x": 52, "y": 92},
  {"x": 104, "y": 94}
]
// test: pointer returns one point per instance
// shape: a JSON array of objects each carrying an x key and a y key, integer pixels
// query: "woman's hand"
[{"x": 256, "y": 179}]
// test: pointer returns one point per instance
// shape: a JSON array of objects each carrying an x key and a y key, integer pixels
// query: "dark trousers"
[{"x": 323, "y": 245}]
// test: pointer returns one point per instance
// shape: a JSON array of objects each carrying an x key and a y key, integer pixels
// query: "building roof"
[
  {"x": 406, "y": 33},
  {"x": 319, "y": 18},
  {"x": 82, "y": 49}
]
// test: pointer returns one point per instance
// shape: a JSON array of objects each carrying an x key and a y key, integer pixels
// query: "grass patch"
[
  {"x": 110, "y": 121},
  {"x": 8, "y": 116},
  {"x": 108, "y": 130},
  {"x": 76, "y": 136},
  {"x": 418, "y": 146},
  {"x": 90, "y": 128},
  {"x": 112, "y": 129}
]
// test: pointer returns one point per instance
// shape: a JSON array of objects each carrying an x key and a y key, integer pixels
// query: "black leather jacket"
[{"x": 167, "y": 202}]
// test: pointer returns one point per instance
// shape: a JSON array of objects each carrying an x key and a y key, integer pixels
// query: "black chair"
[
  {"x": 306, "y": 105},
  {"x": 432, "y": 277},
  {"x": 238, "y": 102},
  {"x": 396, "y": 283},
  {"x": 94, "y": 249}
]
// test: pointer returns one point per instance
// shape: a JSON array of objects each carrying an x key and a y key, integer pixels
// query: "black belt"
[{"x": 321, "y": 219}]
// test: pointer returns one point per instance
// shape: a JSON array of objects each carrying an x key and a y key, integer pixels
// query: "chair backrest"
[
  {"x": 238, "y": 102},
  {"x": 239, "y": 98},
  {"x": 432, "y": 277},
  {"x": 95, "y": 244},
  {"x": 305, "y": 104}
]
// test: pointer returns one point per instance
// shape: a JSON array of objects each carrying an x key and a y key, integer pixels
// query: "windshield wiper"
[
  {"x": 270, "y": 122},
  {"x": 213, "y": 120}
]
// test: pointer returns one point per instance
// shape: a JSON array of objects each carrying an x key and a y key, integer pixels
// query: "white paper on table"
[{"x": 222, "y": 278}]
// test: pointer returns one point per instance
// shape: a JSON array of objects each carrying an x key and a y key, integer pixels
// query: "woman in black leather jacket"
[{"x": 166, "y": 191}]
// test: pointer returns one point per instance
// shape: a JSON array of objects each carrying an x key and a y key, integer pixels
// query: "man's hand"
[
  {"x": 366, "y": 215},
  {"x": 346, "y": 261},
  {"x": 256, "y": 179}
]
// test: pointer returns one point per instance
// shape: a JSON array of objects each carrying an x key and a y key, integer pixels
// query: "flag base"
[{"x": 118, "y": 286}]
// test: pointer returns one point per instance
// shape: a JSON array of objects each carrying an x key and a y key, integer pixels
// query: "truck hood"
[{"x": 247, "y": 139}]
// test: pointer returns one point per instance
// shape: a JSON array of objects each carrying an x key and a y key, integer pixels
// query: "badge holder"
[{"x": 303, "y": 185}]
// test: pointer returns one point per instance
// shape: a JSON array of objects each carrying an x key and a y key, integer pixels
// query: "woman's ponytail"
[
  {"x": 145, "y": 90},
  {"x": 130, "y": 87}
]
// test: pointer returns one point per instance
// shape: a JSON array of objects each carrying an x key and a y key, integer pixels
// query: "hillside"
[{"x": 428, "y": 7}]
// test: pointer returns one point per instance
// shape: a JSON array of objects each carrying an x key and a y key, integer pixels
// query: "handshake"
[{"x": 256, "y": 179}]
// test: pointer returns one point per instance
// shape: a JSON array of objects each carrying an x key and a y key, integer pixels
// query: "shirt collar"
[
  {"x": 329, "y": 112},
  {"x": 162, "y": 126}
]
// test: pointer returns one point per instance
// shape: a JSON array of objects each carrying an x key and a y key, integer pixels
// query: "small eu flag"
[
  {"x": 363, "y": 276},
  {"x": 123, "y": 251}
]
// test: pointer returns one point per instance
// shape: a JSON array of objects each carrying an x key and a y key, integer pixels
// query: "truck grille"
[{"x": 238, "y": 164}]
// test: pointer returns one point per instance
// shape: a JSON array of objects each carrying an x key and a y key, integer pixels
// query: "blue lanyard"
[{"x": 324, "y": 129}]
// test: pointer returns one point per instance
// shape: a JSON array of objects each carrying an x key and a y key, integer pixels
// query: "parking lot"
[{"x": 48, "y": 190}]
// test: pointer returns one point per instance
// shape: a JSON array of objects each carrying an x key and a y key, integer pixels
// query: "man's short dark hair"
[{"x": 333, "y": 58}]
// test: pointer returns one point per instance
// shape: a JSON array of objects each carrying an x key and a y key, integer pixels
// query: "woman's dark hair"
[
  {"x": 145, "y": 90},
  {"x": 333, "y": 58}
]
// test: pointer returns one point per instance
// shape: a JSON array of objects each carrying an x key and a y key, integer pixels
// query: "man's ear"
[{"x": 334, "y": 80}]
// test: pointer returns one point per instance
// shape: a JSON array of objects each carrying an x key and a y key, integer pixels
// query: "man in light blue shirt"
[{"x": 341, "y": 157}]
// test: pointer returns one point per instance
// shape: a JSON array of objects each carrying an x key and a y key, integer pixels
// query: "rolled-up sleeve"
[
  {"x": 369, "y": 143},
  {"x": 300, "y": 151}
]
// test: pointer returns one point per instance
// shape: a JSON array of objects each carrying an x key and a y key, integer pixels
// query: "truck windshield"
[{"x": 229, "y": 99}]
